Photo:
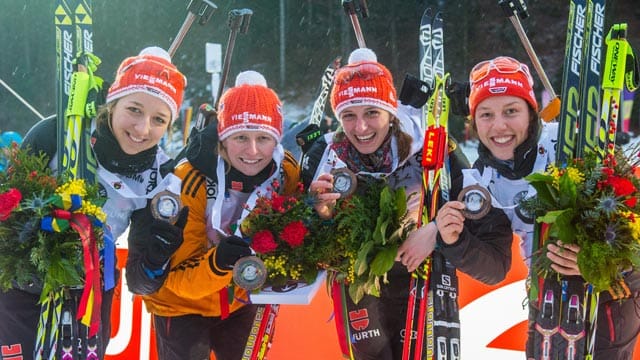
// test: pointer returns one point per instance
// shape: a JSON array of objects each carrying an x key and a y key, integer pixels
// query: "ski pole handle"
[
  {"x": 238, "y": 22},
  {"x": 203, "y": 9},
  {"x": 515, "y": 10},
  {"x": 352, "y": 10}
]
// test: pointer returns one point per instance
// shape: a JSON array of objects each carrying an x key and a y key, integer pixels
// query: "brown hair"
[
  {"x": 104, "y": 114},
  {"x": 404, "y": 140}
]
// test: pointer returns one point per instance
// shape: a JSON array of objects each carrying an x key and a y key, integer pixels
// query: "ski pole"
[
  {"x": 203, "y": 9},
  {"x": 514, "y": 10},
  {"x": 238, "y": 22},
  {"x": 352, "y": 9}
]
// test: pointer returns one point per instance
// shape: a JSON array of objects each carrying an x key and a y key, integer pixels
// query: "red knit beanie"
[
  {"x": 153, "y": 73},
  {"x": 250, "y": 106},
  {"x": 364, "y": 81},
  {"x": 500, "y": 76}
]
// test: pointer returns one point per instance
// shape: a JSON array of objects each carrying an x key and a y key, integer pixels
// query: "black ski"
[
  {"x": 566, "y": 305},
  {"x": 311, "y": 132}
]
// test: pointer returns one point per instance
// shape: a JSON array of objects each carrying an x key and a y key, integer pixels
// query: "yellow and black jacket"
[{"x": 191, "y": 286}]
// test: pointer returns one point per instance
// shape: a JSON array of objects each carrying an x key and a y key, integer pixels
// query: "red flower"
[
  {"x": 294, "y": 233},
  {"x": 263, "y": 242},
  {"x": 623, "y": 187},
  {"x": 9, "y": 201},
  {"x": 277, "y": 203}
]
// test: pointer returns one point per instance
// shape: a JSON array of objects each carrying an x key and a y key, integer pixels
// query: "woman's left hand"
[{"x": 564, "y": 258}]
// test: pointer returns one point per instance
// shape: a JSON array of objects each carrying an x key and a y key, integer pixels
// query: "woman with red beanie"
[
  {"x": 513, "y": 144},
  {"x": 380, "y": 139},
  {"x": 197, "y": 309},
  {"x": 140, "y": 105}
]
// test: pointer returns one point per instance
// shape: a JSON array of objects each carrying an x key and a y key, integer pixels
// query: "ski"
[
  {"x": 77, "y": 94},
  {"x": 51, "y": 305},
  {"x": 262, "y": 331},
  {"x": 567, "y": 307},
  {"x": 581, "y": 80},
  {"x": 65, "y": 54},
  {"x": 432, "y": 325},
  {"x": 311, "y": 132},
  {"x": 561, "y": 328},
  {"x": 590, "y": 84}
]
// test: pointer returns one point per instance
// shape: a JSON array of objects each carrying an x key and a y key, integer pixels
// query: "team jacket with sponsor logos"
[
  {"x": 506, "y": 194},
  {"x": 191, "y": 286},
  {"x": 483, "y": 249}
]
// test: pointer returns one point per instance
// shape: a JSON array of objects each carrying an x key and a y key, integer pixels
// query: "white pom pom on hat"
[
  {"x": 372, "y": 86},
  {"x": 156, "y": 51},
  {"x": 251, "y": 77},
  {"x": 362, "y": 54}
]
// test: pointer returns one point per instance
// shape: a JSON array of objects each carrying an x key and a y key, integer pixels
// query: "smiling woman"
[{"x": 197, "y": 307}]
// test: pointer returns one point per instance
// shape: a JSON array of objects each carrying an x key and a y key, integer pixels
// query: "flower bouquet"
[
  {"x": 40, "y": 215},
  {"x": 593, "y": 204},
  {"x": 369, "y": 228},
  {"x": 295, "y": 243},
  {"x": 283, "y": 231}
]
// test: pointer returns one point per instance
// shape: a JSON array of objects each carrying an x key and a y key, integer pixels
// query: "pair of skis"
[
  {"x": 61, "y": 333},
  {"x": 432, "y": 326},
  {"x": 565, "y": 324}
]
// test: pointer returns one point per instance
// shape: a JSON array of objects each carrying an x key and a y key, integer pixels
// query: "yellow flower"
[
  {"x": 555, "y": 173},
  {"x": 73, "y": 187},
  {"x": 634, "y": 223},
  {"x": 575, "y": 175},
  {"x": 93, "y": 210}
]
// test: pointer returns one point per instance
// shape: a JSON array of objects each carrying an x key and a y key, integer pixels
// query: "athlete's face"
[
  {"x": 249, "y": 151},
  {"x": 365, "y": 126},
  {"x": 502, "y": 123},
  {"x": 139, "y": 121}
]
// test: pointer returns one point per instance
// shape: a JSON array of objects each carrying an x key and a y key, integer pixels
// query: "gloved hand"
[
  {"x": 414, "y": 91},
  {"x": 458, "y": 93},
  {"x": 202, "y": 147},
  {"x": 229, "y": 250},
  {"x": 165, "y": 239}
]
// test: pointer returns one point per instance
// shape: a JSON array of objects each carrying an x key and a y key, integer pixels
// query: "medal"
[
  {"x": 166, "y": 206},
  {"x": 477, "y": 201},
  {"x": 249, "y": 273},
  {"x": 344, "y": 181}
]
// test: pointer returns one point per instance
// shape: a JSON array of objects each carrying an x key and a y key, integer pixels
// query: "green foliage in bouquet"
[
  {"x": 357, "y": 246},
  {"x": 371, "y": 225},
  {"x": 595, "y": 205},
  {"x": 37, "y": 243}
]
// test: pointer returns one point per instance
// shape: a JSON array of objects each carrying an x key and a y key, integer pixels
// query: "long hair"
[{"x": 104, "y": 114}]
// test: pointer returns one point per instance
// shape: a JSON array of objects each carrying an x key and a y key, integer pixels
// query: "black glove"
[
  {"x": 458, "y": 93},
  {"x": 165, "y": 239},
  {"x": 414, "y": 91},
  {"x": 202, "y": 145},
  {"x": 202, "y": 149},
  {"x": 229, "y": 251}
]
